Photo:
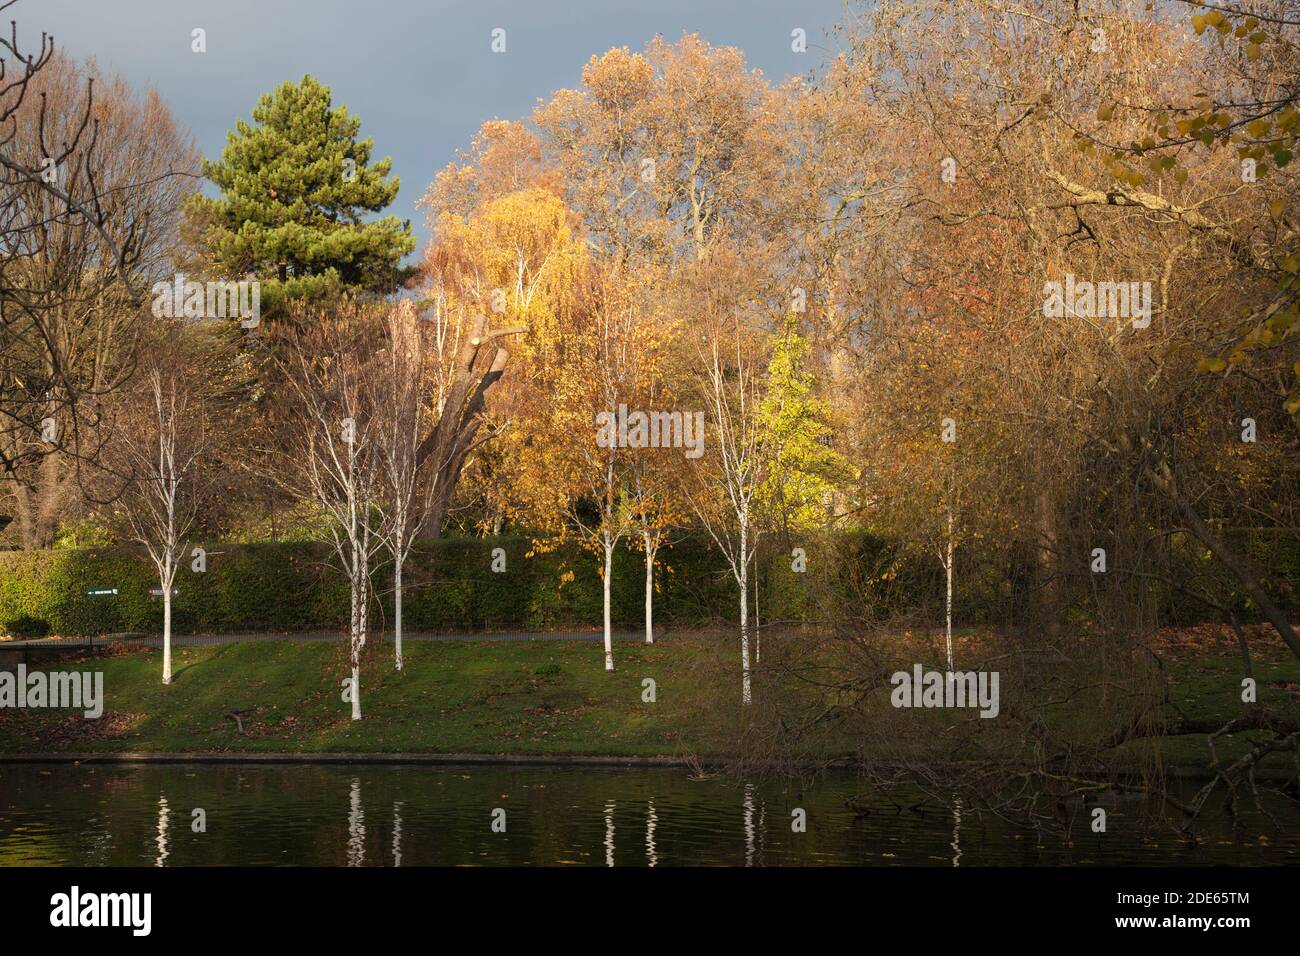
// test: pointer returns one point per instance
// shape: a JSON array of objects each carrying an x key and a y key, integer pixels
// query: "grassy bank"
[
  {"x": 540, "y": 698},
  {"x": 543, "y": 697}
]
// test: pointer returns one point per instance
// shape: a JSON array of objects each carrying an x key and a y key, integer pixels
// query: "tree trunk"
[
  {"x": 26, "y": 524},
  {"x": 358, "y": 631},
  {"x": 758, "y": 625},
  {"x": 1164, "y": 481},
  {"x": 397, "y": 607},
  {"x": 649, "y": 590},
  {"x": 742, "y": 575},
  {"x": 948, "y": 600},
  {"x": 167, "y": 629},
  {"x": 609, "y": 640},
  {"x": 1049, "y": 587}
]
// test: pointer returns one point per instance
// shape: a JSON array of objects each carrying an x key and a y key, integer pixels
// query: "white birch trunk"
[
  {"x": 397, "y": 608},
  {"x": 609, "y": 637},
  {"x": 649, "y": 590},
  {"x": 758, "y": 625},
  {"x": 358, "y": 635},
  {"x": 742, "y": 574},
  {"x": 167, "y": 574},
  {"x": 167, "y": 634}
]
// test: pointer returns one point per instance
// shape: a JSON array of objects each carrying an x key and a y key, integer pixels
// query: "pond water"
[{"x": 392, "y": 815}]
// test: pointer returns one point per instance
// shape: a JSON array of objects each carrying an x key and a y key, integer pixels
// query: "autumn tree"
[
  {"x": 806, "y": 468},
  {"x": 92, "y": 175}
]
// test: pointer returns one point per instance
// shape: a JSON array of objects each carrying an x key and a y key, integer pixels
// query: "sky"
[{"x": 420, "y": 74}]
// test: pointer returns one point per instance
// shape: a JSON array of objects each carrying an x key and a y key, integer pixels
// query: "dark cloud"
[{"x": 418, "y": 72}]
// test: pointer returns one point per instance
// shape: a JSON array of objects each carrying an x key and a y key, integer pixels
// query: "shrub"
[{"x": 24, "y": 625}]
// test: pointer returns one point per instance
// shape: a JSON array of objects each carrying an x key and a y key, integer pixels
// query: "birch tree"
[
  {"x": 613, "y": 523},
  {"x": 333, "y": 454},
  {"x": 723, "y": 498},
  {"x": 401, "y": 411},
  {"x": 162, "y": 454},
  {"x": 598, "y": 462},
  {"x": 654, "y": 517},
  {"x": 615, "y": 359}
]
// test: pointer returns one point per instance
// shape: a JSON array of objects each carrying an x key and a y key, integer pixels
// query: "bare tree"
[
  {"x": 162, "y": 454},
  {"x": 401, "y": 411},
  {"x": 331, "y": 456},
  {"x": 90, "y": 190},
  {"x": 723, "y": 497}
]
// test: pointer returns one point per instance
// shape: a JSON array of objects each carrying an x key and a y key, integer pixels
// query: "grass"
[
  {"x": 543, "y": 697},
  {"x": 527, "y": 698},
  {"x": 1209, "y": 688}
]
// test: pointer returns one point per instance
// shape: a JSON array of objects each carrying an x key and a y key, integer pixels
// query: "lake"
[{"x": 422, "y": 815}]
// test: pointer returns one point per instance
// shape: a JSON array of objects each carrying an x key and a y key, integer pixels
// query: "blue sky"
[{"x": 419, "y": 73}]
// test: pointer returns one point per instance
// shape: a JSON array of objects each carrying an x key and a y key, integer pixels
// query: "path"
[{"x": 248, "y": 637}]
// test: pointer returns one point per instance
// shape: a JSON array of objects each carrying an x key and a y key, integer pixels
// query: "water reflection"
[
  {"x": 319, "y": 815},
  {"x": 356, "y": 827},
  {"x": 650, "y": 820},
  {"x": 749, "y": 824},
  {"x": 163, "y": 813},
  {"x": 956, "y": 830},
  {"x": 609, "y": 833},
  {"x": 397, "y": 833}
]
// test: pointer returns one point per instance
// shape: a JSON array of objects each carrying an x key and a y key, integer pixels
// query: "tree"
[
  {"x": 608, "y": 362},
  {"x": 806, "y": 469},
  {"x": 797, "y": 493},
  {"x": 91, "y": 178},
  {"x": 402, "y": 410},
  {"x": 359, "y": 439},
  {"x": 162, "y": 452},
  {"x": 513, "y": 254},
  {"x": 655, "y": 513},
  {"x": 296, "y": 184},
  {"x": 1249, "y": 101},
  {"x": 1078, "y": 413},
  {"x": 723, "y": 494},
  {"x": 664, "y": 152},
  {"x": 330, "y": 456}
]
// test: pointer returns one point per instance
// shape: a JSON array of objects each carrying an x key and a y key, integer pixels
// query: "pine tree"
[{"x": 295, "y": 185}]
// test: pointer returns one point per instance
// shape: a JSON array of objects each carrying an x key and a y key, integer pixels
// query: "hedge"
[{"x": 449, "y": 586}]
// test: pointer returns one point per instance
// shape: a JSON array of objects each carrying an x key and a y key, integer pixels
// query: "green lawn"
[
  {"x": 1209, "y": 688},
  {"x": 542, "y": 697}
]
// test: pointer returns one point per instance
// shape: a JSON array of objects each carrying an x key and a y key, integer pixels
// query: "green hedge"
[{"x": 449, "y": 586}]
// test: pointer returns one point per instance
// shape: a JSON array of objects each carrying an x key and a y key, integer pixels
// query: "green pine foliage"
[{"x": 296, "y": 185}]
